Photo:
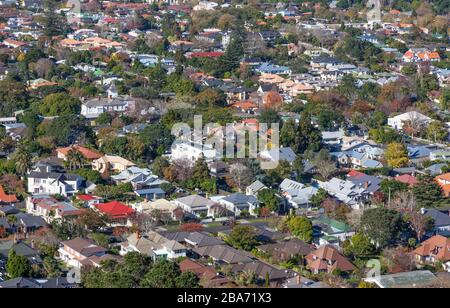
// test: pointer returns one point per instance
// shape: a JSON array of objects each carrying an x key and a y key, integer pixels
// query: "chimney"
[
  {"x": 32, "y": 244},
  {"x": 298, "y": 279},
  {"x": 366, "y": 185}
]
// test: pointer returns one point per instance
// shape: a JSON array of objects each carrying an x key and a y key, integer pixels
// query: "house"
[
  {"x": 154, "y": 245},
  {"x": 370, "y": 183},
  {"x": 328, "y": 230},
  {"x": 436, "y": 169},
  {"x": 435, "y": 249},
  {"x": 333, "y": 138},
  {"x": 47, "y": 179},
  {"x": 286, "y": 250},
  {"x": 264, "y": 272},
  {"x": 24, "y": 223},
  {"x": 421, "y": 55},
  {"x": 327, "y": 259},
  {"x": 32, "y": 283},
  {"x": 193, "y": 239},
  {"x": 238, "y": 202},
  {"x": 93, "y": 108},
  {"x": 49, "y": 208},
  {"x": 414, "y": 117},
  {"x": 117, "y": 212},
  {"x": 346, "y": 191},
  {"x": 440, "y": 155},
  {"x": 254, "y": 188},
  {"x": 111, "y": 163},
  {"x": 21, "y": 249},
  {"x": 162, "y": 205},
  {"x": 142, "y": 179},
  {"x": 279, "y": 154},
  {"x": 194, "y": 204},
  {"x": 297, "y": 195},
  {"x": 267, "y": 68},
  {"x": 414, "y": 279},
  {"x": 88, "y": 200},
  {"x": 223, "y": 254},
  {"x": 5, "y": 198},
  {"x": 407, "y": 179},
  {"x": 208, "y": 276},
  {"x": 88, "y": 154},
  {"x": 192, "y": 152},
  {"x": 443, "y": 180},
  {"x": 79, "y": 251},
  {"x": 441, "y": 221},
  {"x": 6, "y": 210}
]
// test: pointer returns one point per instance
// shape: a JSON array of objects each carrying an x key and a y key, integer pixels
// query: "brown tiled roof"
[
  {"x": 328, "y": 258},
  {"x": 437, "y": 246}
]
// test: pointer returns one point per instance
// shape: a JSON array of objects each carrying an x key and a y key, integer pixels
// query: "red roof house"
[
  {"x": 407, "y": 179},
  {"x": 4, "y": 198},
  {"x": 115, "y": 210}
]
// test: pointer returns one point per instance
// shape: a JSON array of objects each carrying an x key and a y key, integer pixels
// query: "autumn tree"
[{"x": 396, "y": 155}]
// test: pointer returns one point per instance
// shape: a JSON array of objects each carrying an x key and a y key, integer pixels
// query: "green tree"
[
  {"x": 301, "y": 227},
  {"x": 381, "y": 225},
  {"x": 242, "y": 237},
  {"x": 269, "y": 199},
  {"x": 58, "y": 104},
  {"x": 427, "y": 192},
  {"x": 18, "y": 266},
  {"x": 359, "y": 245}
]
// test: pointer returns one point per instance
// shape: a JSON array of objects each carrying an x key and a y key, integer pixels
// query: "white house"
[
  {"x": 192, "y": 152},
  {"x": 194, "y": 204},
  {"x": 238, "y": 202},
  {"x": 347, "y": 192},
  {"x": 413, "y": 117},
  {"x": 44, "y": 180},
  {"x": 93, "y": 108},
  {"x": 154, "y": 245}
]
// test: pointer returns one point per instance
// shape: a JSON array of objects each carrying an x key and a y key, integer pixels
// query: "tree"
[
  {"x": 159, "y": 165},
  {"x": 187, "y": 280},
  {"x": 240, "y": 176},
  {"x": 200, "y": 172},
  {"x": 288, "y": 133},
  {"x": 59, "y": 104},
  {"x": 437, "y": 132},
  {"x": 396, "y": 155},
  {"x": 307, "y": 137},
  {"x": 22, "y": 158},
  {"x": 325, "y": 165},
  {"x": 75, "y": 159},
  {"x": 427, "y": 192},
  {"x": 301, "y": 227},
  {"x": 17, "y": 266},
  {"x": 382, "y": 225},
  {"x": 390, "y": 187},
  {"x": 269, "y": 199},
  {"x": 51, "y": 267},
  {"x": 242, "y": 237},
  {"x": 167, "y": 274},
  {"x": 359, "y": 245}
]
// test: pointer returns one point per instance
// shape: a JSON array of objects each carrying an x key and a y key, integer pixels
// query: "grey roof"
[
  {"x": 195, "y": 201},
  {"x": 8, "y": 209},
  {"x": 197, "y": 239},
  {"x": 288, "y": 248},
  {"x": 20, "y": 283},
  {"x": 370, "y": 183},
  {"x": 440, "y": 219},
  {"x": 30, "y": 283},
  {"x": 224, "y": 253},
  {"x": 100, "y": 102},
  {"x": 404, "y": 280},
  {"x": 256, "y": 186},
  {"x": 239, "y": 198},
  {"x": 23, "y": 249},
  {"x": 436, "y": 169},
  {"x": 262, "y": 269}
]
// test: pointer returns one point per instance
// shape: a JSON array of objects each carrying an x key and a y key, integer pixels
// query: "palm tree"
[
  {"x": 23, "y": 160},
  {"x": 75, "y": 159}
]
